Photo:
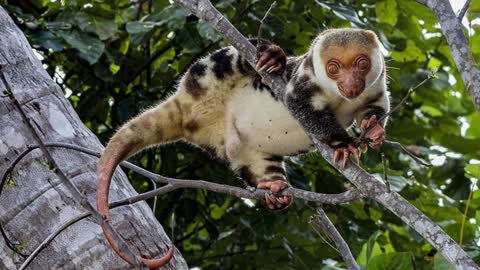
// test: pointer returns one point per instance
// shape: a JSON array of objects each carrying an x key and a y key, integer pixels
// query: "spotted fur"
[
  {"x": 224, "y": 85},
  {"x": 220, "y": 103}
]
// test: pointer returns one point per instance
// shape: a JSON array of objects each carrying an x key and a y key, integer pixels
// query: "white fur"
[{"x": 266, "y": 125}]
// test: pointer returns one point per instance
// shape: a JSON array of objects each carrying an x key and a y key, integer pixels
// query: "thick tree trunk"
[{"x": 35, "y": 202}]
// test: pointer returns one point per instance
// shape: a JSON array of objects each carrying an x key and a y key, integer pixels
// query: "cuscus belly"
[{"x": 266, "y": 125}]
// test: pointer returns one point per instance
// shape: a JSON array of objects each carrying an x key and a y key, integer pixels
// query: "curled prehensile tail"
[{"x": 157, "y": 125}]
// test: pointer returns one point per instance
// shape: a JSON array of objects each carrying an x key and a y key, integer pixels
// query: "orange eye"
[
  {"x": 333, "y": 69},
  {"x": 363, "y": 63}
]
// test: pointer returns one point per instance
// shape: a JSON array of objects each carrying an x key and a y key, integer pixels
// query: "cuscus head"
[{"x": 347, "y": 61}]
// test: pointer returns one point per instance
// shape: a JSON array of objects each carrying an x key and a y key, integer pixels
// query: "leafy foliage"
[{"x": 114, "y": 58}]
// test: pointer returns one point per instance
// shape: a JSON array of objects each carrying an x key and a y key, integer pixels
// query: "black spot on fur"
[
  {"x": 305, "y": 86},
  {"x": 247, "y": 175},
  {"x": 198, "y": 69},
  {"x": 272, "y": 169},
  {"x": 308, "y": 62},
  {"x": 374, "y": 98},
  {"x": 222, "y": 63},
  {"x": 243, "y": 66},
  {"x": 192, "y": 126},
  {"x": 374, "y": 110},
  {"x": 193, "y": 87},
  {"x": 258, "y": 85},
  {"x": 262, "y": 44},
  {"x": 303, "y": 151},
  {"x": 323, "y": 123},
  {"x": 277, "y": 177},
  {"x": 293, "y": 63},
  {"x": 275, "y": 158}
]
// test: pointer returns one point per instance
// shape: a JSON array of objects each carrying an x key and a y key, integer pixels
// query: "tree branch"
[
  {"x": 365, "y": 182},
  {"x": 452, "y": 29},
  {"x": 259, "y": 194},
  {"x": 464, "y": 9},
  {"x": 198, "y": 184},
  {"x": 322, "y": 221},
  {"x": 172, "y": 184}
]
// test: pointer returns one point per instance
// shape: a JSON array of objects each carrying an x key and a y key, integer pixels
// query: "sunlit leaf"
[
  {"x": 391, "y": 261},
  {"x": 387, "y": 11},
  {"x": 103, "y": 27}
]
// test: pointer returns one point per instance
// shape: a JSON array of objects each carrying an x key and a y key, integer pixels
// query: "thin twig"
[
  {"x": 51, "y": 237},
  {"x": 464, "y": 9},
  {"x": 77, "y": 195},
  {"x": 410, "y": 154},
  {"x": 75, "y": 219},
  {"x": 400, "y": 104},
  {"x": 347, "y": 196},
  {"x": 260, "y": 28},
  {"x": 172, "y": 184},
  {"x": 322, "y": 221},
  {"x": 385, "y": 176},
  {"x": 198, "y": 184}
]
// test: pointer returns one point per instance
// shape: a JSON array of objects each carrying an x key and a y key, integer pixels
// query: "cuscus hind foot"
[{"x": 274, "y": 200}]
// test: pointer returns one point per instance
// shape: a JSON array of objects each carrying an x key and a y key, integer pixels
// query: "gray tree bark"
[
  {"x": 34, "y": 203},
  {"x": 453, "y": 31}
]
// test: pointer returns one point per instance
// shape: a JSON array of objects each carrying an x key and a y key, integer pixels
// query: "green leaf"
[
  {"x": 207, "y": 32},
  {"x": 371, "y": 245},
  {"x": 431, "y": 110},
  {"x": 474, "y": 130},
  {"x": 103, "y": 27},
  {"x": 440, "y": 263},
  {"x": 387, "y": 11},
  {"x": 472, "y": 170},
  {"x": 344, "y": 12},
  {"x": 411, "y": 53},
  {"x": 90, "y": 48},
  {"x": 114, "y": 68},
  {"x": 48, "y": 40},
  {"x": 391, "y": 261},
  {"x": 397, "y": 182},
  {"x": 140, "y": 27},
  {"x": 216, "y": 211},
  {"x": 369, "y": 249}
]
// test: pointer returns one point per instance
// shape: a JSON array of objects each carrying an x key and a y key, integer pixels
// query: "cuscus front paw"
[
  {"x": 274, "y": 200},
  {"x": 272, "y": 60},
  {"x": 376, "y": 133},
  {"x": 344, "y": 153}
]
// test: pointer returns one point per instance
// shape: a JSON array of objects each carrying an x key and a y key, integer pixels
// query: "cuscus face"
[{"x": 347, "y": 61}]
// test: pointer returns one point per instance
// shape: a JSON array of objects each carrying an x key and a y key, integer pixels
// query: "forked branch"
[{"x": 321, "y": 220}]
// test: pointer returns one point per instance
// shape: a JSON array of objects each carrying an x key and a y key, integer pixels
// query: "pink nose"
[{"x": 351, "y": 87}]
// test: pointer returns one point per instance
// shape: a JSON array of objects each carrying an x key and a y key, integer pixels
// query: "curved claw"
[
  {"x": 273, "y": 59},
  {"x": 268, "y": 65},
  {"x": 355, "y": 152},
  {"x": 344, "y": 152}
]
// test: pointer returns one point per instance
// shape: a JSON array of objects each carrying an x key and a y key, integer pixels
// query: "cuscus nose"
[{"x": 351, "y": 87}]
